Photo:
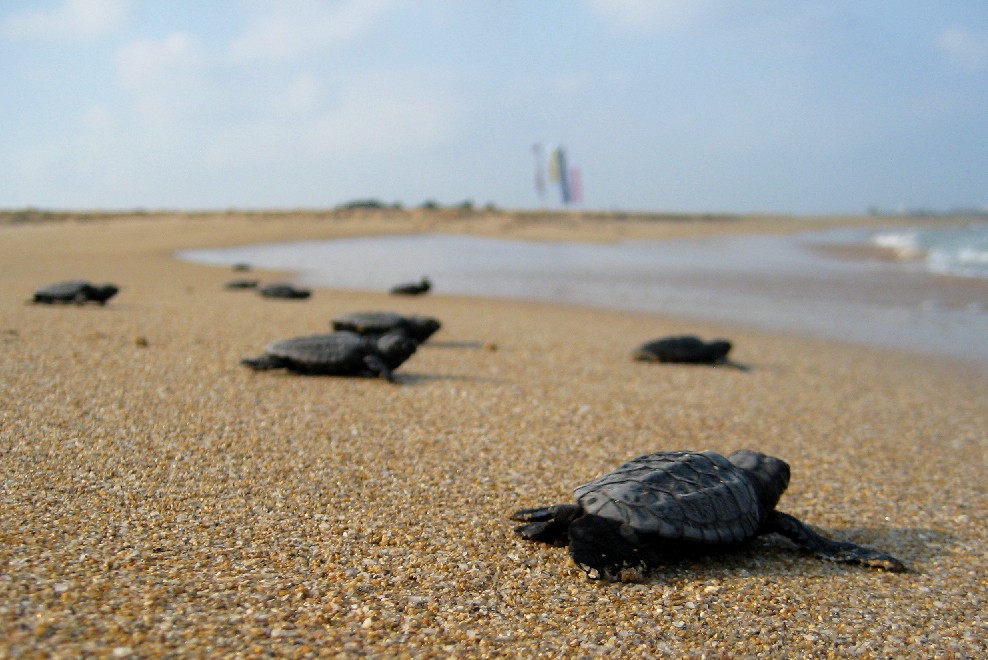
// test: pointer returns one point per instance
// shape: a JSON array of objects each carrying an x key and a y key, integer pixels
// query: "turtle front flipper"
[
  {"x": 604, "y": 548},
  {"x": 379, "y": 367},
  {"x": 842, "y": 551},
  {"x": 546, "y": 524},
  {"x": 736, "y": 365}
]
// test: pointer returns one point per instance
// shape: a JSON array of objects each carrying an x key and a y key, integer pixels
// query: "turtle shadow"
[
  {"x": 912, "y": 545},
  {"x": 767, "y": 367},
  {"x": 738, "y": 366},
  {"x": 773, "y": 555},
  {"x": 407, "y": 378},
  {"x": 105, "y": 308},
  {"x": 728, "y": 365},
  {"x": 455, "y": 344}
]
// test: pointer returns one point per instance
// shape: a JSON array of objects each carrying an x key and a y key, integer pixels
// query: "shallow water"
[
  {"x": 959, "y": 251},
  {"x": 778, "y": 283}
]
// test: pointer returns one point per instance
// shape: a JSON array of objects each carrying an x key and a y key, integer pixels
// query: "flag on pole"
[
  {"x": 539, "y": 171},
  {"x": 554, "y": 166},
  {"x": 575, "y": 185},
  {"x": 556, "y": 170},
  {"x": 563, "y": 173}
]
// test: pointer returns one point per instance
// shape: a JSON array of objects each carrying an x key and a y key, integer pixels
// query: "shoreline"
[
  {"x": 780, "y": 283},
  {"x": 536, "y": 223},
  {"x": 158, "y": 498}
]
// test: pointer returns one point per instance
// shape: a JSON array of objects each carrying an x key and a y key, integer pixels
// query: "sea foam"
[{"x": 956, "y": 251}]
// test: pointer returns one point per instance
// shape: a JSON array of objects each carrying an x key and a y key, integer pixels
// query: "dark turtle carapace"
[
  {"x": 412, "y": 288},
  {"x": 419, "y": 328},
  {"x": 78, "y": 292},
  {"x": 685, "y": 349},
  {"x": 675, "y": 504},
  {"x": 241, "y": 283},
  {"x": 337, "y": 354},
  {"x": 283, "y": 290}
]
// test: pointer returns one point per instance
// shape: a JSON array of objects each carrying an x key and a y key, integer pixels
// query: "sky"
[{"x": 777, "y": 106}]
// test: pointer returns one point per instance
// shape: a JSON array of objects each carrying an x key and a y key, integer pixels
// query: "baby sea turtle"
[
  {"x": 684, "y": 348},
  {"x": 282, "y": 290},
  {"x": 241, "y": 283},
  {"x": 412, "y": 288},
  {"x": 337, "y": 354},
  {"x": 415, "y": 327},
  {"x": 674, "y": 504},
  {"x": 79, "y": 292}
]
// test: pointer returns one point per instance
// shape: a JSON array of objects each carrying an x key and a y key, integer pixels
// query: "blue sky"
[{"x": 669, "y": 105}]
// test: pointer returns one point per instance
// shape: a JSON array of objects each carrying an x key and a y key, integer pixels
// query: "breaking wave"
[{"x": 961, "y": 252}]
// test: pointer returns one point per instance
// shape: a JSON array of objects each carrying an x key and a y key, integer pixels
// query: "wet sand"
[
  {"x": 159, "y": 498},
  {"x": 781, "y": 284}
]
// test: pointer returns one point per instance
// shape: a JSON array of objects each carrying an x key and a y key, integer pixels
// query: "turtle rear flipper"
[
  {"x": 546, "y": 524},
  {"x": 263, "y": 362},
  {"x": 644, "y": 356},
  {"x": 379, "y": 367},
  {"x": 842, "y": 551}
]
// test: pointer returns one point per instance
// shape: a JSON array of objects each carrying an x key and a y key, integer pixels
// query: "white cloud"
[
  {"x": 290, "y": 28},
  {"x": 146, "y": 62},
  {"x": 964, "y": 47},
  {"x": 300, "y": 98},
  {"x": 167, "y": 78},
  {"x": 76, "y": 20},
  {"x": 377, "y": 113},
  {"x": 97, "y": 119},
  {"x": 642, "y": 16},
  {"x": 383, "y": 112}
]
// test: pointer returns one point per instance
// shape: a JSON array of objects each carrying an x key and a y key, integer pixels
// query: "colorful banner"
[
  {"x": 575, "y": 185},
  {"x": 539, "y": 171},
  {"x": 563, "y": 173},
  {"x": 559, "y": 172}
]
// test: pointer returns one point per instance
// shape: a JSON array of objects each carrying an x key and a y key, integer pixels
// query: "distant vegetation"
[
  {"x": 371, "y": 204},
  {"x": 427, "y": 205},
  {"x": 34, "y": 215},
  {"x": 929, "y": 213}
]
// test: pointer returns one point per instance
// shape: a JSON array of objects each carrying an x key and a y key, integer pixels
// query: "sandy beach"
[{"x": 160, "y": 499}]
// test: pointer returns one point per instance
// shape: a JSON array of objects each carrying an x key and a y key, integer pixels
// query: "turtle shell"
[
  {"x": 281, "y": 290},
  {"x": 419, "y": 328},
  {"x": 684, "y": 348},
  {"x": 334, "y": 353},
  {"x": 369, "y": 323},
  {"x": 678, "y": 495},
  {"x": 75, "y": 291},
  {"x": 64, "y": 290}
]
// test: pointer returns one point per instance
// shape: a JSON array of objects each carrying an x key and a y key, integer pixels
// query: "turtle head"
[
  {"x": 720, "y": 348},
  {"x": 421, "y": 328},
  {"x": 104, "y": 293},
  {"x": 395, "y": 349},
  {"x": 770, "y": 475}
]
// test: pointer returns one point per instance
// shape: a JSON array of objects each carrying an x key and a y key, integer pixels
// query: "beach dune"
[{"x": 159, "y": 498}]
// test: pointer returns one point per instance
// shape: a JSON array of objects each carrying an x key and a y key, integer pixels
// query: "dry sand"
[{"x": 160, "y": 499}]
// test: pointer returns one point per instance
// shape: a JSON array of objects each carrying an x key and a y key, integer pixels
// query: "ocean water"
[
  {"x": 789, "y": 284},
  {"x": 960, "y": 251}
]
